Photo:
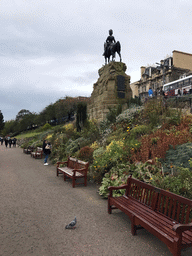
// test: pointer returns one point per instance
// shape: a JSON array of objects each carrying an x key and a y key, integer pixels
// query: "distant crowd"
[{"x": 8, "y": 141}]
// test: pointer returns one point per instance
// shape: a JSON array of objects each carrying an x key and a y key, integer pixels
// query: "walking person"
[
  {"x": 6, "y": 142},
  {"x": 150, "y": 93},
  {"x": 14, "y": 142},
  {"x": 10, "y": 142},
  {"x": 46, "y": 151}
]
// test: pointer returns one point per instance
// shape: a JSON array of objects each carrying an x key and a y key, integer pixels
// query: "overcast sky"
[{"x": 50, "y": 49}]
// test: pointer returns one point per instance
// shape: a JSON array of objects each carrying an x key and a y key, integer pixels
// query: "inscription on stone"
[
  {"x": 120, "y": 83},
  {"x": 121, "y": 95}
]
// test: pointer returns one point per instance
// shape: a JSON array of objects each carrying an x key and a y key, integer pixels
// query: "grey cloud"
[{"x": 50, "y": 49}]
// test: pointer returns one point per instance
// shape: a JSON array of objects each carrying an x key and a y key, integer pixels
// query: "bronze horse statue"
[{"x": 111, "y": 50}]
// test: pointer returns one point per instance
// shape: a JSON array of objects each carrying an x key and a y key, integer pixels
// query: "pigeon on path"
[{"x": 72, "y": 224}]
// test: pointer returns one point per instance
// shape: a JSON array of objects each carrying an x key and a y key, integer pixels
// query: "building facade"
[{"x": 168, "y": 70}]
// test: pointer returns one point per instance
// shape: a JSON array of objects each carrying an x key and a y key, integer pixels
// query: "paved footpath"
[{"x": 35, "y": 206}]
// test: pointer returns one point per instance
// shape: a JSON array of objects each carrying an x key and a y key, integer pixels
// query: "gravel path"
[{"x": 35, "y": 206}]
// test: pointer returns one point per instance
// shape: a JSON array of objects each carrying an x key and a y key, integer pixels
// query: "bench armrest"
[
  {"x": 111, "y": 188},
  {"x": 179, "y": 228},
  {"x": 58, "y": 163}
]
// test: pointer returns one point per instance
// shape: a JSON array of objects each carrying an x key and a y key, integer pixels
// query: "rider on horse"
[{"x": 109, "y": 41}]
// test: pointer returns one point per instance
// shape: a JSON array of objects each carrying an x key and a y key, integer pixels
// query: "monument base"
[{"x": 112, "y": 88}]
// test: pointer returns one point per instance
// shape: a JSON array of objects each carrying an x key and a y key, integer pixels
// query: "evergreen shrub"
[{"x": 180, "y": 157}]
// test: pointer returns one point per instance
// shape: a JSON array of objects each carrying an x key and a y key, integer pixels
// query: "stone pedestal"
[{"x": 112, "y": 88}]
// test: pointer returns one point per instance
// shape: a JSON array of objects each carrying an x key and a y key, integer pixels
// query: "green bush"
[
  {"x": 134, "y": 101},
  {"x": 105, "y": 159},
  {"x": 173, "y": 117},
  {"x": 98, "y": 152},
  {"x": 180, "y": 183},
  {"x": 178, "y": 157},
  {"x": 117, "y": 176},
  {"x": 145, "y": 172},
  {"x": 111, "y": 115},
  {"x": 73, "y": 146},
  {"x": 139, "y": 130},
  {"x": 129, "y": 114},
  {"x": 90, "y": 131}
]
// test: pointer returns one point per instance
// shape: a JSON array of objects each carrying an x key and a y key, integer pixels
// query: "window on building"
[
  {"x": 180, "y": 84},
  {"x": 186, "y": 82}
]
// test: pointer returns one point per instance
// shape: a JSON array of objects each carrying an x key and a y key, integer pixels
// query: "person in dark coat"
[
  {"x": 10, "y": 142},
  {"x": 6, "y": 142},
  {"x": 14, "y": 142},
  {"x": 46, "y": 151}
]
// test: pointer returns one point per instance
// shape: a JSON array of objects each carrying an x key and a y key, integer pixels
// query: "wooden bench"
[
  {"x": 38, "y": 153},
  {"x": 28, "y": 150},
  {"x": 74, "y": 169},
  {"x": 164, "y": 214}
]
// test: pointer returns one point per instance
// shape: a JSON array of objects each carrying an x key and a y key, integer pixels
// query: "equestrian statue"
[{"x": 111, "y": 47}]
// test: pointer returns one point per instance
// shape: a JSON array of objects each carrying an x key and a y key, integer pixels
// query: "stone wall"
[
  {"x": 112, "y": 88},
  {"x": 182, "y": 60}
]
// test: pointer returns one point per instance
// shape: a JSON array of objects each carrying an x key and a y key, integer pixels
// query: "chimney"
[{"x": 142, "y": 70}]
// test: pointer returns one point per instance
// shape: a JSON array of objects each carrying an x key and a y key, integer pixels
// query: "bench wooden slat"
[
  {"x": 157, "y": 219},
  {"x": 174, "y": 209},
  {"x": 69, "y": 171},
  {"x": 170, "y": 207},
  {"x": 134, "y": 208},
  {"x": 161, "y": 212},
  {"x": 75, "y": 169},
  {"x": 188, "y": 214},
  {"x": 38, "y": 153}
]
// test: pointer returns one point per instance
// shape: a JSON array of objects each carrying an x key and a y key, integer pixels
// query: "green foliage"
[
  {"x": 37, "y": 143},
  {"x": 58, "y": 142},
  {"x": 21, "y": 114},
  {"x": 115, "y": 177},
  {"x": 107, "y": 158},
  {"x": 145, "y": 172},
  {"x": 134, "y": 101},
  {"x": 2, "y": 124},
  {"x": 121, "y": 138},
  {"x": 81, "y": 115},
  {"x": 46, "y": 127},
  {"x": 139, "y": 130},
  {"x": 73, "y": 146},
  {"x": 90, "y": 131},
  {"x": 111, "y": 115},
  {"x": 98, "y": 152},
  {"x": 153, "y": 110},
  {"x": 118, "y": 175},
  {"x": 9, "y": 128},
  {"x": 180, "y": 156},
  {"x": 173, "y": 117},
  {"x": 180, "y": 183},
  {"x": 129, "y": 114}
]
